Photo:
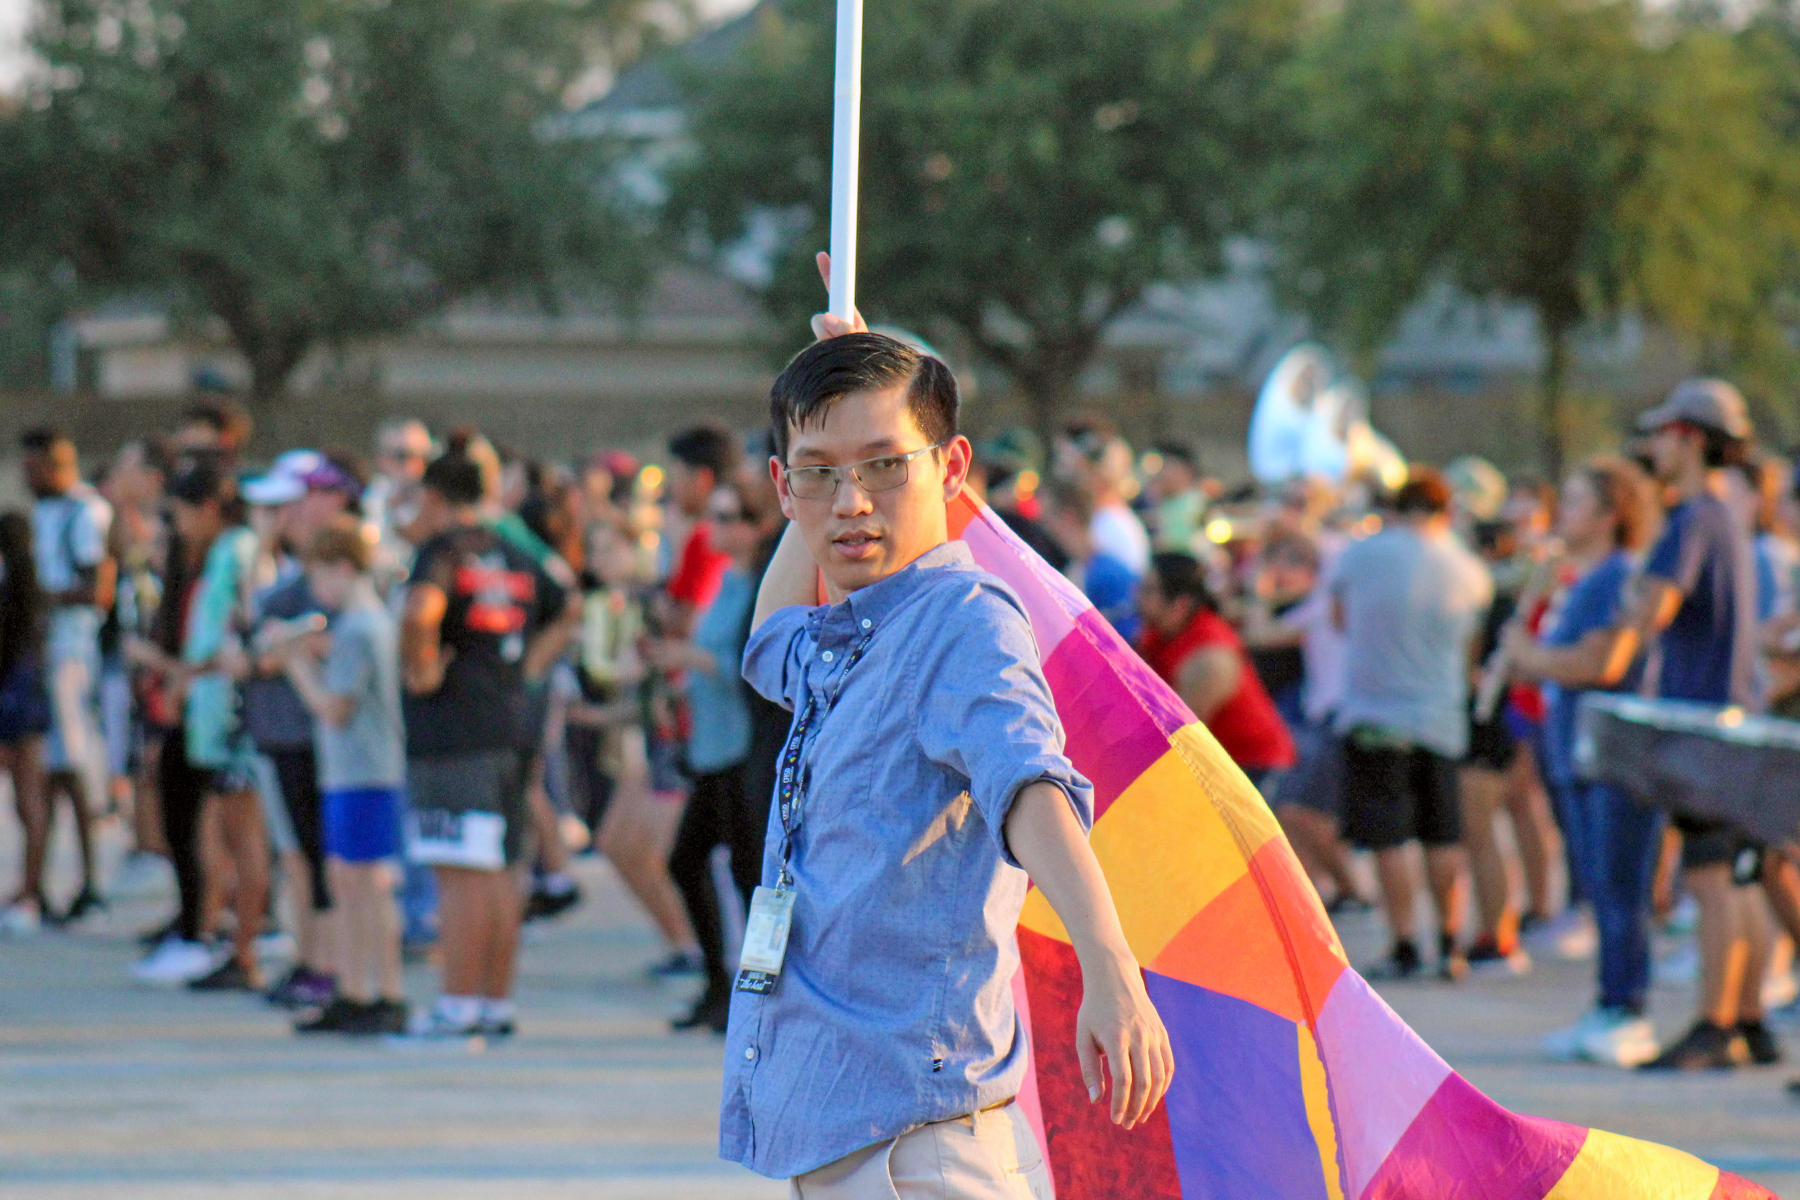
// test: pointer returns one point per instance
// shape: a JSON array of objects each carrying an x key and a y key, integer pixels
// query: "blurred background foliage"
[{"x": 312, "y": 171}]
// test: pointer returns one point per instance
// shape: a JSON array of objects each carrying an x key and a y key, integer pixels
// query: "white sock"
[
  {"x": 459, "y": 1010},
  {"x": 497, "y": 1011}
]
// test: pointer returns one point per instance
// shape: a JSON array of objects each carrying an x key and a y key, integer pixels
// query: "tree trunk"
[
  {"x": 1551, "y": 385},
  {"x": 1049, "y": 393}
]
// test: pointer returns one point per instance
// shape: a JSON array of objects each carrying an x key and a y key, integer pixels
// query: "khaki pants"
[{"x": 990, "y": 1155}]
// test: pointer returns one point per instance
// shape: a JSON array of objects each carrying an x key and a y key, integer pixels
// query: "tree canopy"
[
  {"x": 310, "y": 171},
  {"x": 1028, "y": 166},
  {"x": 1584, "y": 159}
]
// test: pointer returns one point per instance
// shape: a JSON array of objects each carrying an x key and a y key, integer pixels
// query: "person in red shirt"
[
  {"x": 1199, "y": 654},
  {"x": 703, "y": 458}
]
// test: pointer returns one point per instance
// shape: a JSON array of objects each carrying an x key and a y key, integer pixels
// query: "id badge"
[{"x": 765, "y": 940}]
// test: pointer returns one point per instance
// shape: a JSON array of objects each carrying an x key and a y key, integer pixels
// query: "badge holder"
[{"x": 765, "y": 940}]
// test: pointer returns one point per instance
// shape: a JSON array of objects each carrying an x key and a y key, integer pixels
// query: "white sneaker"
[
  {"x": 276, "y": 943},
  {"x": 1570, "y": 936},
  {"x": 1622, "y": 1039},
  {"x": 174, "y": 961},
  {"x": 1564, "y": 1045},
  {"x": 143, "y": 876},
  {"x": 20, "y": 919}
]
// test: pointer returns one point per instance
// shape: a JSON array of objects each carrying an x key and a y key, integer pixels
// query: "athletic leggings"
[
  {"x": 297, "y": 770},
  {"x": 709, "y": 820},
  {"x": 184, "y": 790}
]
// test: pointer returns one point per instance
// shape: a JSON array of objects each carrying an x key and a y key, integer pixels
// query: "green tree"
[
  {"x": 313, "y": 171},
  {"x": 1582, "y": 158},
  {"x": 1028, "y": 166}
]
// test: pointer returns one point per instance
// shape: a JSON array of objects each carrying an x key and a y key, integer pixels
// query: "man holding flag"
[{"x": 874, "y": 1049}]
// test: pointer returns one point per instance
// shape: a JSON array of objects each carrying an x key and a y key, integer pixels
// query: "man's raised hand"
[{"x": 825, "y": 325}]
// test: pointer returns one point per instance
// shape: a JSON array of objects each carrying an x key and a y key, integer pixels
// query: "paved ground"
[{"x": 108, "y": 1090}]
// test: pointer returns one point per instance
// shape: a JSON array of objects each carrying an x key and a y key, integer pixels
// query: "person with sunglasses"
[
  {"x": 719, "y": 742},
  {"x": 873, "y": 1047}
]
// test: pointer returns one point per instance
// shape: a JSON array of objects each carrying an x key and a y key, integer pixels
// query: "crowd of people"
[{"x": 399, "y": 696}]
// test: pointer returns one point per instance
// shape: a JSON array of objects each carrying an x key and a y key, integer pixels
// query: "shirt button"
[
  {"x": 827, "y": 656},
  {"x": 866, "y": 623},
  {"x": 749, "y": 1053}
]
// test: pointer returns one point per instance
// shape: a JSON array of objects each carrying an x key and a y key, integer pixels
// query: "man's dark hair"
[
  {"x": 455, "y": 477},
  {"x": 1723, "y": 450},
  {"x": 43, "y": 439},
  {"x": 1425, "y": 493},
  {"x": 1179, "y": 575},
  {"x": 825, "y": 372},
  {"x": 706, "y": 445}
]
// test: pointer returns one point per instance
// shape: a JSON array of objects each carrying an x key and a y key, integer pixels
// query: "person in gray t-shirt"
[
  {"x": 361, "y": 742},
  {"x": 1409, "y": 600}
]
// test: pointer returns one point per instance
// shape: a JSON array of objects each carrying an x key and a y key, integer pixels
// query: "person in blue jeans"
[{"x": 1603, "y": 519}]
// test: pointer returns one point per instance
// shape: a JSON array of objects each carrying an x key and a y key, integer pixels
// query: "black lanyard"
[{"x": 789, "y": 790}]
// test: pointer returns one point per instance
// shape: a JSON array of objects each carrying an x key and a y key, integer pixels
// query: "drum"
[{"x": 1707, "y": 761}]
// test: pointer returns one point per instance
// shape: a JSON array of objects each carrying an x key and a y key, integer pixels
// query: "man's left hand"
[{"x": 1117, "y": 1022}]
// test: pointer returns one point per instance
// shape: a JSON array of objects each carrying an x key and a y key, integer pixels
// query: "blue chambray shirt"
[{"x": 894, "y": 1007}]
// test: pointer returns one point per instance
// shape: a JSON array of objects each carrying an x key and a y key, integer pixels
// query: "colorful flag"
[{"x": 1293, "y": 1079}]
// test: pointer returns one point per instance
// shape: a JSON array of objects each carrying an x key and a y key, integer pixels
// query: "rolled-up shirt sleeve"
[
  {"x": 774, "y": 655},
  {"x": 986, "y": 712}
]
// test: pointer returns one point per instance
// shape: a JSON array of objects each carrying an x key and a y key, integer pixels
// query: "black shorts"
[
  {"x": 1393, "y": 795},
  {"x": 469, "y": 810},
  {"x": 1710, "y": 843},
  {"x": 1492, "y": 746}
]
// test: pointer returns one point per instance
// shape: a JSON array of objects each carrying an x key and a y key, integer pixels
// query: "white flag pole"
[{"x": 846, "y": 122}]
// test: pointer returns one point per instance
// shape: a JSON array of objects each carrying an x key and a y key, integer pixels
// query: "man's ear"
[
  {"x": 959, "y": 456},
  {"x": 779, "y": 476}
]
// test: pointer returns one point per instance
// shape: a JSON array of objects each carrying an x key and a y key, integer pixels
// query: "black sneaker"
[
  {"x": 387, "y": 1016},
  {"x": 544, "y": 904},
  {"x": 302, "y": 988},
  {"x": 86, "y": 901},
  {"x": 340, "y": 1016},
  {"x": 1760, "y": 1040},
  {"x": 1704, "y": 1047},
  {"x": 1486, "y": 958},
  {"x": 677, "y": 965},
  {"x": 1346, "y": 903},
  {"x": 228, "y": 977},
  {"x": 1402, "y": 963},
  {"x": 711, "y": 1011}
]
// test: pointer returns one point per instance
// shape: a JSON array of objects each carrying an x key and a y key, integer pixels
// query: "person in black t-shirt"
[{"x": 481, "y": 618}]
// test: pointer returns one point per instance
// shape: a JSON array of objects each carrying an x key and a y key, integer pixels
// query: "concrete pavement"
[{"x": 111, "y": 1090}]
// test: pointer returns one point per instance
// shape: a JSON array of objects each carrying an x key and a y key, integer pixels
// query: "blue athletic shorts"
[{"x": 363, "y": 824}]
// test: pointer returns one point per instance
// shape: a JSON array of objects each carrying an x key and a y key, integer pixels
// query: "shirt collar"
[{"x": 874, "y": 602}]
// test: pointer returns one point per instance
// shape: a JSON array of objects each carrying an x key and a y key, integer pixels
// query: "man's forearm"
[
  {"x": 792, "y": 577},
  {"x": 1116, "y": 1021},
  {"x": 1043, "y": 834}
]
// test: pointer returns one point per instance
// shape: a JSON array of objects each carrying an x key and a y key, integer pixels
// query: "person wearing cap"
[
  {"x": 303, "y": 492},
  {"x": 1695, "y": 606}
]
